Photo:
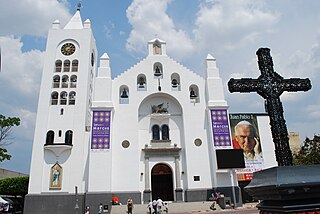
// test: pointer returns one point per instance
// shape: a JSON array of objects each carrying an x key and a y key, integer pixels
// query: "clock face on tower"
[{"x": 68, "y": 49}]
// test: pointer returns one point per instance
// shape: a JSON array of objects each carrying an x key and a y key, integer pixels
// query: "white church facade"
[{"x": 149, "y": 132}]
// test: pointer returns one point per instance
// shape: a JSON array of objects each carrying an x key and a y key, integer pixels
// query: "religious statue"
[
  {"x": 159, "y": 109},
  {"x": 56, "y": 174}
]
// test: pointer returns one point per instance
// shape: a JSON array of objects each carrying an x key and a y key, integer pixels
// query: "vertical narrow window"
[
  {"x": 54, "y": 98},
  {"x": 68, "y": 137},
  {"x": 72, "y": 98},
  {"x": 66, "y": 66},
  {"x": 50, "y": 137},
  {"x": 56, "y": 81},
  {"x": 74, "y": 66},
  {"x": 65, "y": 81},
  {"x": 60, "y": 133},
  {"x": 165, "y": 132},
  {"x": 58, "y": 65},
  {"x": 73, "y": 81},
  {"x": 63, "y": 98},
  {"x": 155, "y": 132}
]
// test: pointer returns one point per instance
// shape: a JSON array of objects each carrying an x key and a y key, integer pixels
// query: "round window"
[
  {"x": 125, "y": 144},
  {"x": 197, "y": 142}
]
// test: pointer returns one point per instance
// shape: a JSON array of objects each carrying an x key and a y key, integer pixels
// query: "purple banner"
[
  {"x": 220, "y": 127},
  {"x": 100, "y": 134}
]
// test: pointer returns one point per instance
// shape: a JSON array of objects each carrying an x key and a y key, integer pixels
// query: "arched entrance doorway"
[{"x": 162, "y": 182}]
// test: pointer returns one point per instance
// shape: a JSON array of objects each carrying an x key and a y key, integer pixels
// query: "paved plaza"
[{"x": 190, "y": 208}]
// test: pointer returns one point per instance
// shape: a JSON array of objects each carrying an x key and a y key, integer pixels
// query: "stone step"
[{"x": 203, "y": 206}]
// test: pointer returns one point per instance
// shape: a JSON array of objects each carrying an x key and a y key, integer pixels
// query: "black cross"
[{"x": 270, "y": 85}]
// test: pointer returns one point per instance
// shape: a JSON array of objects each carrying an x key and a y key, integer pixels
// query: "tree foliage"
[
  {"x": 17, "y": 186},
  {"x": 309, "y": 153},
  {"x": 6, "y": 124}
]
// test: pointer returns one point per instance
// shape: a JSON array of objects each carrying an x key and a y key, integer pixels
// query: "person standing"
[
  {"x": 216, "y": 197},
  {"x": 87, "y": 210},
  {"x": 150, "y": 207},
  {"x": 100, "y": 208},
  {"x": 130, "y": 206},
  {"x": 155, "y": 206},
  {"x": 115, "y": 200},
  {"x": 159, "y": 204}
]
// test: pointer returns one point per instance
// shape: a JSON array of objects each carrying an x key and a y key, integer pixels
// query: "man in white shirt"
[{"x": 159, "y": 204}]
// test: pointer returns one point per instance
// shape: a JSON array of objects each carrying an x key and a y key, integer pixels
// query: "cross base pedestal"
[{"x": 287, "y": 189}]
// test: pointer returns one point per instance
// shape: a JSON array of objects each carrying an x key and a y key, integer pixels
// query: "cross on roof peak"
[{"x": 79, "y": 5}]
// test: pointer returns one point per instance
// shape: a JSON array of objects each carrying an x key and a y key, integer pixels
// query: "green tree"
[
  {"x": 6, "y": 124},
  {"x": 309, "y": 153},
  {"x": 17, "y": 186}
]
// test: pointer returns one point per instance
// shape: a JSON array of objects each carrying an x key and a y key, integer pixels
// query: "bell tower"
[{"x": 62, "y": 132}]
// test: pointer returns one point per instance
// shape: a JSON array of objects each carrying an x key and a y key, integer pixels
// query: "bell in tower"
[
  {"x": 141, "y": 82},
  {"x": 124, "y": 93},
  {"x": 157, "y": 72},
  {"x": 193, "y": 94},
  {"x": 174, "y": 83}
]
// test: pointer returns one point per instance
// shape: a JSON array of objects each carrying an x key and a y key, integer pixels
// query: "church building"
[{"x": 150, "y": 132}]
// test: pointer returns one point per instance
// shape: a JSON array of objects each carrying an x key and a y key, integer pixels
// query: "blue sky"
[{"x": 229, "y": 30}]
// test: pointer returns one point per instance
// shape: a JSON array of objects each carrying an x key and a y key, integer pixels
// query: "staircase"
[{"x": 202, "y": 206}]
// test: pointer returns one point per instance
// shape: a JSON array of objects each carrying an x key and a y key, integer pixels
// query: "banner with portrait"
[{"x": 245, "y": 135}]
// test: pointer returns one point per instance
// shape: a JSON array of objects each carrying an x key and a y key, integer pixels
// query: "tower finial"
[{"x": 79, "y": 6}]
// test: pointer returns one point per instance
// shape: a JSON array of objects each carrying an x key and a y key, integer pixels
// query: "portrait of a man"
[{"x": 246, "y": 138}]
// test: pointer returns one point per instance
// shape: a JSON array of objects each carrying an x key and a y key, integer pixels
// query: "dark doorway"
[{"x": 162, "y": 182}]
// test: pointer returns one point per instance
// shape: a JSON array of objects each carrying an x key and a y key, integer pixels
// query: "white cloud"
[
  {"x": 232, "y": 24},
  {"x": 313, "y": 111},
  {"x": 31, "y": 17},
  {"x": 107, "y": 29},
  {"x": 19, "y": 83},
  {"x": 27, "y": 119},
  {"x": 149, "y": 20},
  {"x": 21, "y": 71},
  {"x": 19, "y": 89}
]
